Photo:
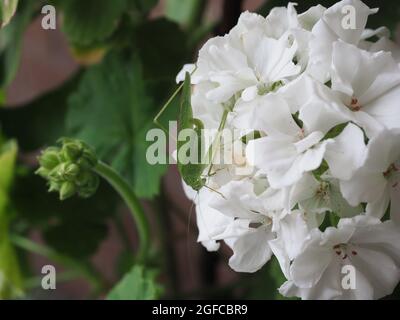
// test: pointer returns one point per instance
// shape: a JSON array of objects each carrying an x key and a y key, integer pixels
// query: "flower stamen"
[
  {"x": 392, "y": 168},
  {"x": 354, "y": 105},
  {"x": 342, "y": 249}
]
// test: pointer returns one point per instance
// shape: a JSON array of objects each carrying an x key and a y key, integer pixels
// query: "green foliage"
[
  {"x": 321, "y": 170},
  {"x": 64, "y": 223},
  {"x": 138, "y": 284},
  {"x": 91, "y": 21},
  {"x": 42, "y": 119},
  {"x": 10, "y": 276},
  {"x": 116, "y": 101},
  {"x": 7, "y": 11},
  {"x": 181, "y": 11},
  {"x": 110, "y": 105},
  {"x": 11, "y": 40},
  {"x": 161, "y": 46},
  {"x": 112, "y": 112},
  {"x": 335, "y": 131}
]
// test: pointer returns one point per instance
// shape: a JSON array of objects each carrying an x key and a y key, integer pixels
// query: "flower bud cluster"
[{"x": 69, "y": 169}]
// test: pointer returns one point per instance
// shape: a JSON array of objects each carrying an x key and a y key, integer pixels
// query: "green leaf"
[
  {"x": 181, "y": 11},
  {"x": 91, "y": 21},
  {"x": 321, "y": 170},
  {"x": 335, "y": 131},
  {"x": 122, "y": 95},
  {"x": 117, "y": 100},
  {"x": 40, "y": 122},
  {"x": 10, "y": 275},
  {"x": 11, "y": 40},
  {"x": 112, "y": 111},
  {"x": 7, "y": 11},
  {"x": 161, "y": 48},
  {"x": 138, "y": 284}
]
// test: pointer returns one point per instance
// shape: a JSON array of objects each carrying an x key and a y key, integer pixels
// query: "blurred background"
[{"x": 105, "y": 63}]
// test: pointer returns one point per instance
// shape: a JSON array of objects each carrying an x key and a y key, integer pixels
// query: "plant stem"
[{"x": 136, "y": 209}]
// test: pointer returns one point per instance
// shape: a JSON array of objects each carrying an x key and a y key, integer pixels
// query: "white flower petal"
[
  {"x": 251, "y": 251},
  {"x": 347, "y": 153}
]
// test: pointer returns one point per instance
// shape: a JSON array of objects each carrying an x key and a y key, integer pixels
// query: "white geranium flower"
[
  {"x": 313, "y": 110},
  {"x": 329, "y": 29},
  {"x": 377, "y": 181},
  {"x": 256, "y": 69},
  {"x": 252, "y": 227},
  {"x": 288, "y": 150},
  {"x": 316, "y": 272},
  {"x": 323, "y": 196},
  {"x": 370, "y": 86}
]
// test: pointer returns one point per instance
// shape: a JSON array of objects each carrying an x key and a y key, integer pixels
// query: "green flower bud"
[
  {"x": 88, "y": 159},
  {"x": 49, "y": 159},
  {"x": 54, "y": 186},
  {"x": 43, "y": 172},
  {"x": 90, "y": 188},
  {"x": 70, "y": 171},
  {"x": 57, "y": 173},
  {"x": 83, "y": 178},
  {"x": 67, "y": 190},
  {"x": 72, "y": 151}
]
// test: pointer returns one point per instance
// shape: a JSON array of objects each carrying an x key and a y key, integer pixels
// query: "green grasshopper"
[{"x": 192, "y": 173}]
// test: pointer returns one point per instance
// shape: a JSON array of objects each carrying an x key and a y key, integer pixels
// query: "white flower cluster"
[{"x": 323, "y": 94}]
